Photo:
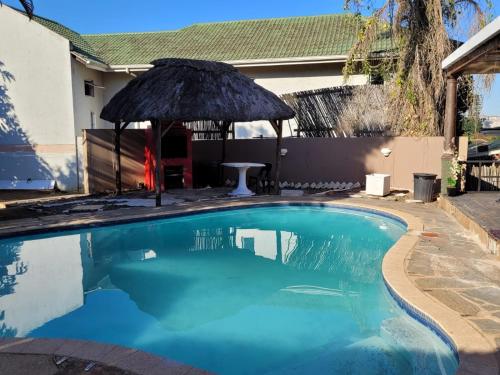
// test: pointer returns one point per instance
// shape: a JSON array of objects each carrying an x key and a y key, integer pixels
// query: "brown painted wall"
[
  {"x": 98, "y": 145},
  {"x": 335, "y": 159},
  {"x": 307, "y": 160}
]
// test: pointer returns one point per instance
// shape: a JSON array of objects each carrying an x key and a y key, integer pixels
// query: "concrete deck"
[
  {"x": 19, "y": 356},
  {"x": 46, "y": 365},
  {"x": 442, "y": 262}
]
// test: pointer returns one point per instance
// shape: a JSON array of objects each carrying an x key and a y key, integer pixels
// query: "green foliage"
[
  {"x": 469, "y": 126},
  {"x": 454, "y": 172},
  {"x": 451, "y": 182}
]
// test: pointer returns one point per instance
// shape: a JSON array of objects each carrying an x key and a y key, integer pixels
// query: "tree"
[
  {"x": 28, "y": 7},
  {"x": 422, "y": 32}
]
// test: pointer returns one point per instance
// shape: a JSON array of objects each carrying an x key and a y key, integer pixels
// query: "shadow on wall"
[
  {"x": 99, "y": 144},
  {"x": 307, "y": 159},
  {"x": 332, "y": 159},
  {"x": 19, "y": 159},
  {"x": 9, "y": 258}
]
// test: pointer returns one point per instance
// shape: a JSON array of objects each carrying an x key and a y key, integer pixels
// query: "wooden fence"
[{"x": 482, "y": 175}]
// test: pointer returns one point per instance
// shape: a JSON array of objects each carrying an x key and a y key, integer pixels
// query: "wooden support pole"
[
  {"x": 157, "y": 136},
  {"x": 224, "y": 130},
  {"x": 117, "y": 159},
  {"x": 450, "y": 119},
  {"x": 278, "y": 127},
  {"x": 450, "y": 129}
]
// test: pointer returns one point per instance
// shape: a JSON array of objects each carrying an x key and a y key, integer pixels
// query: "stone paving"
[
  {"x": 38, "y": 364},
  {"x": 483, "y": 207},
  {"x": 21, "y": 356},
  {"x": 479, "y": 212},
  {"x": 448, "y": 263}
]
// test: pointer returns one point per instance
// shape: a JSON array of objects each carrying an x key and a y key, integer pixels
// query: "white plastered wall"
[
  {"x": 114, "y": 82},
  {"x": 286, "y": 79},
  {"x": 278, "y": 79},
  {"x": 37, "y": 136},
  {"x": 85, "y": 105}
]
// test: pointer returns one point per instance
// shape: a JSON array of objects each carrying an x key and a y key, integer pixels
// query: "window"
[
  {"x": 92, "y": 120},
  {"x": 89, "y": 88}
]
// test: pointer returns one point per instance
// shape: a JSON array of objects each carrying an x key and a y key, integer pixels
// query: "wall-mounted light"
[
  {"x": 284, "y": 151},
  {"x": 386, "y": 151}
]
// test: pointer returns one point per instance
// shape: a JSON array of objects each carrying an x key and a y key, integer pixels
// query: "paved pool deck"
[
  {"x": 439, "y": 267},
  {"x": 478, "y": 212}
]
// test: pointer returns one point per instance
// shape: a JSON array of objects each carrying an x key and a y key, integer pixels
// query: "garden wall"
[
  {"x": 307, "y": 159},
  {"x": 98, "y": 156},
  {"x": 335, "y": 159}
]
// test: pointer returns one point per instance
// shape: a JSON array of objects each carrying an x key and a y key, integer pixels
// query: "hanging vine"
[{"x": 422, "y": 33}]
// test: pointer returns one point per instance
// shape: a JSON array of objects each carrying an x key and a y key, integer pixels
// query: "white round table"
[{"x": 242, "y": 190}]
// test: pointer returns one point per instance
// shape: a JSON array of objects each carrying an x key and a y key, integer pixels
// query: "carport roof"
[{"x": 479, "y": 55}]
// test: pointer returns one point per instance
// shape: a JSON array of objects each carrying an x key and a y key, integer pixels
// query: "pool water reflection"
[{"x": 262, "y": 290}]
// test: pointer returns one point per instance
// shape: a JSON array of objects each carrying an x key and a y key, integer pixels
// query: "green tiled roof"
[
  {"x": 294, "y": 37},
  {"x": 239, "y": 40}
]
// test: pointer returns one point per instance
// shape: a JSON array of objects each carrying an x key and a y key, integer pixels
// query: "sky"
[{"x": 108, "y": 16}]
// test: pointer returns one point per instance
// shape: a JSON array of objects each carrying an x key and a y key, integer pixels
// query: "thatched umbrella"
[{"x": 182, "y": 90}]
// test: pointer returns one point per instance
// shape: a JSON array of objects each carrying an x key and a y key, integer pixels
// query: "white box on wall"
[{"x": 378, "y": 184}]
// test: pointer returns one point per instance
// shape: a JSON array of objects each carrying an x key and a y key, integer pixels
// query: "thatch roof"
[{"x": 193, "y": 90}]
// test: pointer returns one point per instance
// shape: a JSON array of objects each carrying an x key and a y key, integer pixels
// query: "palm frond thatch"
[
  {"x": 194, "y": 90},
  {"x": 28, "y": 6}
]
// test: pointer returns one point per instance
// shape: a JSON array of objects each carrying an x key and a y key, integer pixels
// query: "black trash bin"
[{"x": 423, "y": 186}]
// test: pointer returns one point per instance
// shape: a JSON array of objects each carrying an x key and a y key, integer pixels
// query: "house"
[
  {"x": 54, "y": 81},
  {"x": 491, "y": 125}
]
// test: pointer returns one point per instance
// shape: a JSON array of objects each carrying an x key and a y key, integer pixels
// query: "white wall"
[
  {"x": 50, "y": 285},
  {"x": 114, "y": 82},
  {"x": 293, "y": 78},
  {"x": 278, "y": 79},
  {"x": 84, "y": 105},
  {"x": 36, "y": 102}
]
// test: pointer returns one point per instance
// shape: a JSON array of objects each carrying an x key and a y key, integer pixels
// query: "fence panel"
[{"x": 482, "y": 175}]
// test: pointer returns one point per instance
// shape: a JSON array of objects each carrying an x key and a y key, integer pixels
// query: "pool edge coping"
[
  {"x": 123, "y": 358},
  {"x": 475, "y": 352}
]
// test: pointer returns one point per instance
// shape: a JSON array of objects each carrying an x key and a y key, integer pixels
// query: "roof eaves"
[
  {"x": 90, "y": 62},
  {"x": 254, "y": 62},
  {"x": 484, "y": 35}
]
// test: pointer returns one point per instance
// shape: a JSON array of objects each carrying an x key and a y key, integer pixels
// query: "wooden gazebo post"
[
  {"x": 117, "y": 163},
  {"x": 278, "y": 128},
  {"x": 156, "y": 125},
  {"x": 224, "y": 129},
  {"x": 158, "y": 133}
]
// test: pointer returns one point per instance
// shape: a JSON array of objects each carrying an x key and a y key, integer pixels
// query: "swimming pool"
[{"x": 267, "y": 290}]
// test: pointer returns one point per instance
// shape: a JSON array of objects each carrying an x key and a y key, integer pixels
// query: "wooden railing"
[{"x": 482, "y": 175}]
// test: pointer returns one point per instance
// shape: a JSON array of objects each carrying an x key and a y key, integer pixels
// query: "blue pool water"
[{"x": 269, "y": 290}]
